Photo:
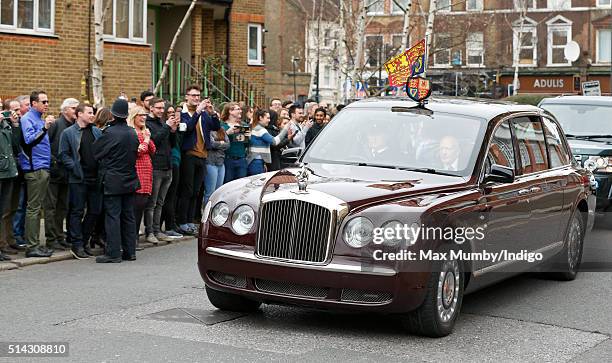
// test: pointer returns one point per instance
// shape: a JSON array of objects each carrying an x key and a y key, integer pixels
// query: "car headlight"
[
  {"x": 219, "y": 214},
  {"x": 206, "y": 211},
  {"x": 395, "y": 226},
  {"x": 598, "y": 163},
  {"x": 358, "y": 232},
  {"x": 243, "y": 219}
]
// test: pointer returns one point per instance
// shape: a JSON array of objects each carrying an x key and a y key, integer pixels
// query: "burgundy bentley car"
[{"x": 310, "y": 235}]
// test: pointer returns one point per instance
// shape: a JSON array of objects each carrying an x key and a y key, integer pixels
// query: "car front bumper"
[{"x": 342, "y": 284}]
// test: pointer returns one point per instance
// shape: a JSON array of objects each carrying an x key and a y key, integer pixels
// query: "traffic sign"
[{"x": 591, "y": 88}]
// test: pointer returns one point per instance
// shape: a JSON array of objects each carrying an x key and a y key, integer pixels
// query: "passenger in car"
[{"x": 449, "y": 153}]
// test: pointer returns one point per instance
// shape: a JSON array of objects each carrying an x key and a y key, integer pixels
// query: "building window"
[
  {"x": 27, "y": 16},
  {"x": 327, "y": 38},
  {"x": 125, "y": 20},
  {"x": 396, "y": 9},
  {"x": 254, "y": 41},
  {"x": 604, "y": 41},
  {"x": 525, "y": 51},
  {"x": 326, "y": 76},
  {"x": 559, "y": 34},
  {"x": 395, "y": 47},
  {"x": 603, "y": 3},
  {"x": 522, "y": 4},
  {"x": 376, "y": 7},
  {"x": 373, "y": 50},
  {"x": 474, "y": 5},
  {"x": 443, "y": 5},
  {"x": 442, "y": 55},
  {"x": 474, "y": 46},
  {"x": 559, "y": 4}
]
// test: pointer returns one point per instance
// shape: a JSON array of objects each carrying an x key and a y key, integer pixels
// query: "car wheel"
[
  {"x": 568, "y": 261},
  {"x": 437, "y": 315},
  {"x": 232, "y": 302}
]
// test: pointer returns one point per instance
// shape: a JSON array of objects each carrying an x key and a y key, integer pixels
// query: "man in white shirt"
[{"x": 296, "y": 114}]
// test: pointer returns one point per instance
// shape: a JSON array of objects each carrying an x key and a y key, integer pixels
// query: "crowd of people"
[{"x": 101, "y": 172}]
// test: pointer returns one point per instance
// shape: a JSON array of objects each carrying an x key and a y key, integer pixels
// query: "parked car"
[
  {"x": 587, "y": 122},
  {"x": 309, "y": 235}
]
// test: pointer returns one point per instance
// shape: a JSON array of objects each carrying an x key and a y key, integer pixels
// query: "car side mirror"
[
  {"x": 499, "y": 174},
  {"x": 289, "y": 157}
]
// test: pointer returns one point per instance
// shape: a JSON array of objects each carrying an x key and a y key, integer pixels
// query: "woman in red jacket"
[{"x": 144, "y": 166}]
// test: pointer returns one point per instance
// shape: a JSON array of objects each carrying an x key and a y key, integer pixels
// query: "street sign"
[
  {"x": 591, "y": 88},
  {"x": 571, "y": 51}
]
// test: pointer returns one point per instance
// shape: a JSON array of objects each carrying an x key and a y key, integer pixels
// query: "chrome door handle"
[
  {"x": 523, "y": 192},
  {"x": 535, "y": 189}
]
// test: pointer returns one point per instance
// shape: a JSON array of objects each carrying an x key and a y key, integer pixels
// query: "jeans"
[
  {"x": 235, "y": 169},
  {"x": 153, "y": 211},
  {"x": 10, "y": 208},
  {"x": 192, "y": 175},
  {"x": 19, "y": 216},
  {"x": 120, "y": 225},
  {"x": 168, "y": 214},
  {"x": 215, "y": 174},
  {"x": 83, "y": 196},
  {"x": 55, "y": 207},
  {"x": 37, "y": 183},
  {"x": 256, "y": 167}
]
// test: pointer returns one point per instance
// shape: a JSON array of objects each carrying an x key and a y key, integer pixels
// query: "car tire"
[
  {"x": 437, "y": 315},
  {"x": 231, "y": 302},
  {"x": 567, "y": 262}
]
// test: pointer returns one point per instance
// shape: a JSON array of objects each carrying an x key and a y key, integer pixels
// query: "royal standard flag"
[{"x": 409, "y": 63}]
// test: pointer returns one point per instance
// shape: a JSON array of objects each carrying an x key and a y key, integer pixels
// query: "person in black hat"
[{"x": 116, "y": 151}]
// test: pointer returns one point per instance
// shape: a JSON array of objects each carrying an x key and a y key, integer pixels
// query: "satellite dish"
[{"x": 571, "y": 51}]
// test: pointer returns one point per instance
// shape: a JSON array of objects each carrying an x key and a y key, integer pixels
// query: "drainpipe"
[
  {"x": 228, "y": 10},
  {"x": 89, "y": 52}
]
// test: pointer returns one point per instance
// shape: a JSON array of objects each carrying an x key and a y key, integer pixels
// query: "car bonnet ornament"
[{"x": 302, "y": 179}]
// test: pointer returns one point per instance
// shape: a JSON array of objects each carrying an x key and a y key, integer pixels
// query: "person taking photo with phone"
[{"x": 260, "y": 142}]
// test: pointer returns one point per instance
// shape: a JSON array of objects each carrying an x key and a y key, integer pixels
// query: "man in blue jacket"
[
  {"x": 35, "y": 161},
  {"x": 77, "y": 156}
]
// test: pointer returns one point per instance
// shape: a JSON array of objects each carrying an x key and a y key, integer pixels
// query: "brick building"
[
  {"x": 51, "y": 48},
  {"x": 475, "y": 41}
]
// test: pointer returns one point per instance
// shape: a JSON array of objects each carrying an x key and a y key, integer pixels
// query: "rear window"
[{"x": 581, "y": 120}]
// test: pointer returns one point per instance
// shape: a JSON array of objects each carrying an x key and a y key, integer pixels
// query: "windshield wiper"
[
  {"x": 588, "y": 137},
  {"x": 420, "y": 170}
]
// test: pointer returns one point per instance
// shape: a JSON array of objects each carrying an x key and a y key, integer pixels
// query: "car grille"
[
  {"x": 294, "y": 230},
  {"x": 364, "y": 296},
  {"x": 227, "y": 279},
  {"x": 287, "y": 288}
]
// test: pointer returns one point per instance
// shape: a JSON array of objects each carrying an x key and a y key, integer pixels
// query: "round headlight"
[
  {"x": 590, "y": 165},
  {"x": 358, "y": 232},
  {"x": 601, "y": 163},
  {"x": 396, "y": 227},
  {"x": 220, "y": 214},
  {"x": 243, "y": 219}
]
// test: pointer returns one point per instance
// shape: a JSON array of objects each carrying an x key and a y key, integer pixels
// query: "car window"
[
  {"x": 556, "y": 149},
  {"x": 501, "y": 151},
  {"x": 379, "y": 136},
  {"x": 532, "y": 148},
  {"x": 581, "y": 120}
]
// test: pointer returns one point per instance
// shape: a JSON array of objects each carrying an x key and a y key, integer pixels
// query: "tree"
[
  {"x": 171, "y": 49},
  {"x": 100, "y": 11},
  {"x": 522, "y": 4},
  {"x": 406, "y": 27}
]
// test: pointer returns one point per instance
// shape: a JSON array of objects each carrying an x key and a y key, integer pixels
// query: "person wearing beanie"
[{"x": 116, "y": 151}]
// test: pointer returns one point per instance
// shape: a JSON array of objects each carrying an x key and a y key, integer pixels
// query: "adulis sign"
[{"x": 548, "y": 83}]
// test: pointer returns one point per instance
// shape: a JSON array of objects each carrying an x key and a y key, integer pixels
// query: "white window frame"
[
  {"x": 131, "y": 39},
  {"x": 259, "y": 60},
  {"x": 530, "y": 26},
  {"x": 446, "y": 9},
  {"x": 390, "y": 44},
  {"x": 397, "y": 12},
  {"x": 367, "y": 51},
  {"x": 553, "y": 25},
  {"x": 479, "y": 5},
  {"x": 369, "y": 3},
  {"x": 550, "y": 3},
  {"x": 437, "y": 53},
  {"x": 602, "y": 4},
  {"x": 531, "y": 4},
  {"x": 468, "y": 49},
  {"x": 36, "y": 29},
  {"x": 598, "y": 60},
  {"x": 327, "y": 83}
]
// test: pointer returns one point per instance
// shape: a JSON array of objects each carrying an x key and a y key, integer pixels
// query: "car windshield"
[
  {"x": 436, "y": 143},
  {"x": 582, "y": 120}
]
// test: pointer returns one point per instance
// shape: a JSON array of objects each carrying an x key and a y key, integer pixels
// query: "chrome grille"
[
  {"x": 227, "y": 279},
  {"x": 364, "y": 296},
  {"x": 287, "y": 288},
  {"x": 294, "y": 230}
]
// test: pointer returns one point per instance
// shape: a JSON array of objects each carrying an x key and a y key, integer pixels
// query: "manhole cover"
[{"x": 194, "y": 316}]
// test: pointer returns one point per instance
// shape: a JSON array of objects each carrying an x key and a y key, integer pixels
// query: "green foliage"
[{"x": 527, "y": 99}]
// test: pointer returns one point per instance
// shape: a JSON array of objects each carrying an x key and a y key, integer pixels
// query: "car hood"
[
  {"x": 602, "y": 147},
  {"x": 358, "y": 185}
]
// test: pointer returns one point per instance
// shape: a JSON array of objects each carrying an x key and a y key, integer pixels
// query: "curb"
[{"x": 66, "y": 255}]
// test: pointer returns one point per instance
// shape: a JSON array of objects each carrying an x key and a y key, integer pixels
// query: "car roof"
[
  {"x": 579, "y": 100},
  {"x": 473, "y": 107}
]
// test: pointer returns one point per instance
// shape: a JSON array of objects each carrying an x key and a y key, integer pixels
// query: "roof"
[
  {"x": 579, "y": 100},
  {"x": 474, "y": 107}
]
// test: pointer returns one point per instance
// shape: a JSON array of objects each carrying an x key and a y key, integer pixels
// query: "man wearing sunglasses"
[{"x": 35, "y": 161}]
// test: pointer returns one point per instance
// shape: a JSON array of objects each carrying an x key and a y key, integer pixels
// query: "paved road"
[{"x": 152, "y": 310}]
